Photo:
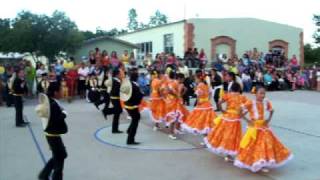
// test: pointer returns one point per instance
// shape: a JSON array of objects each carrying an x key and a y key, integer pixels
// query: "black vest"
[
  {"x": 18, "y": 87},
  {"x": 217, "y": 81},
  {"x": 136, "y": 96},
  {"x": 56, "y": 123},
  {"x": 115, "y": 90}
]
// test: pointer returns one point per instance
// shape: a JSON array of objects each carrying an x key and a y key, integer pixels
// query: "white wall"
[
  {"x": 155, "y": 35},
  {"x": 247, "y": 32}
]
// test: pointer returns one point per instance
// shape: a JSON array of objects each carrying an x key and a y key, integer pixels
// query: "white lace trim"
[
  {"x": 262, "y": 163},
  {"x": 203, "y": 108},
  {"x": 255, "y": 109},
  {"x": 173, "y": 116},
  {"x": 219, "y": 150},
  {"x": 154, "y": 119},
  {"x": 195, "y": 131},
  {"x": 230, "y": 120}
]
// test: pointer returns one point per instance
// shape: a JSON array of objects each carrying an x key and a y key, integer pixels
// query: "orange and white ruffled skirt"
[
  {"x": 157, "y": 109},
  {"x": 174, "y": 112},
  {"x": 144, "y": 105},
  {"x": 264, "y": 150},
  {"x": 224, "y": 138},
  {"x": 200, "y": 120}
]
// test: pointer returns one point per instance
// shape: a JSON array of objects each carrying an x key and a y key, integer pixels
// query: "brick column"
[{"x": 301, "y": 50}]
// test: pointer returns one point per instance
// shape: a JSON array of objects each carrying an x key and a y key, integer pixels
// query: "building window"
[
  {"x": 168, "y": 43},
  {"x": 145, "y": 48}
]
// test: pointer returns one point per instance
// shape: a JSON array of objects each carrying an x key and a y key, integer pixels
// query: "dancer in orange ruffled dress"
[
  {"x": 200, "y": 120},
  {"x": 260, "y": 149},
  {"x": 183, "y": 111},
  {"x": 157, "y": 104},
  {"x": 174, "y": 110},
  {"x": 225, "y": 137}
]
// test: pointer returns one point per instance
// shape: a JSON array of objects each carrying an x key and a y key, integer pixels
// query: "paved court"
[{"x": 96, "y": 154}]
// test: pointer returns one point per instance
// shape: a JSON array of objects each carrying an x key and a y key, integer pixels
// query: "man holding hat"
[
  {"x": 131, "y": 94},
  {"x": 53, "y": 121},
  {"x": 116, "y": 110}
]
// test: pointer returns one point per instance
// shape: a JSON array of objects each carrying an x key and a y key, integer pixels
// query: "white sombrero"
[
  {"x": 125, "y": 90},
  {"x": 108, "y": 83},
  {"x": 208, "y": 81},
  {"x": 43, "y": 109}
]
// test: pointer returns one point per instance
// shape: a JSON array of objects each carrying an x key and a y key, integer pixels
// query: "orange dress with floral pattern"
[
  {"x": 173, "y": 110},
  {"x": 225, "y": 137},
  {"x": 259, "y": 147},
  {"x": 200, "y": 120},
  {"x": 157, "y": 104},
  {"x": 144, "y": 105}
]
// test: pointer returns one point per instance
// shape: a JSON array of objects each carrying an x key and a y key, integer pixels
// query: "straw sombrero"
[
  {"x": 125, "y": 90},
  {"x": 108, "y": 84},
  {"x": 43, "y": 109},
  {"x": 208, "y": 81}
]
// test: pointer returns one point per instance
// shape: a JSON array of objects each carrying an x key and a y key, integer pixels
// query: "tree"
[
  {"x": 133, "y": 23},
  {"x": 63, "y": 35},
  {"x": 316, "y": 34},
  {"x": 311, "y": 55},
  {"x": 4, "y": 32},
  {"x": 41, "y": 35},
  {"x": 158, "y": 19},
  {"x": 88, "y": 35},
  {"x": 113, "y": 32}
]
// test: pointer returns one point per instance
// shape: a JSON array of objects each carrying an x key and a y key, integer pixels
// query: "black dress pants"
[
  {"x": 132, "y": 129},
  {"x": 18, "y": 104},
  {"x": 216, "y": 96},
  {"x": 56, "y": 163},
  {"x": 116, "y": 110},
  {"x": 104, "y": 100}
]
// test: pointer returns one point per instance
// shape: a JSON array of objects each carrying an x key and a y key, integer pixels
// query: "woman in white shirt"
[
  {"x": 40, "y": 72},
  {"x": 83, "y": 72}
]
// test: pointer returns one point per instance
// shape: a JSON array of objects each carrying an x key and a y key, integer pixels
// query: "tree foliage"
[
  {"x": 133, "y": 22},
  {"x": 40, "y": 34},
  {"x": 100, "y": 32},
  {"x": 158, "y": 19},
  {"x": 311, "y": 55},
  {"x": 316, "y": 34}
]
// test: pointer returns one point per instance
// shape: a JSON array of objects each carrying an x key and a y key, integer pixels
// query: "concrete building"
[
  {"x": 218, "y": 36},
  {"x": 103, "y": 43}
]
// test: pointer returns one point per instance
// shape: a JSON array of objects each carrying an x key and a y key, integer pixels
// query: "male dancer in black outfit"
[
  {"x": 19, "y": 88},
  {"x": 216, "y": 83},
  {"x": 116, "y": 110},
  {"x": 53, "y": 120},
  {"x": 103, "y": 89},
  {"x": 132, "y": 100}
]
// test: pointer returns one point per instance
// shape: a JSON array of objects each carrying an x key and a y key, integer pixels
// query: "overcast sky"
[{"x": 108, "y": 14}]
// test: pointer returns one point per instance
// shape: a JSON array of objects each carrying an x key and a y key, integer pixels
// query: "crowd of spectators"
[{"x": 272, "y": 70}]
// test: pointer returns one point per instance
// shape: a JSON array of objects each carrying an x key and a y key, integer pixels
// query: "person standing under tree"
[
  {"x": 125, "y": 58},
  {"x": 53, "y": 121},
  {"x": 19, "y": 88},
  {"x": 30, "y": 76}
]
